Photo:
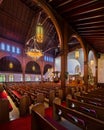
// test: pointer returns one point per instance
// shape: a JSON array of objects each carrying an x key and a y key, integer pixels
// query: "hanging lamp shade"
[{"x": 39, "y": 33}]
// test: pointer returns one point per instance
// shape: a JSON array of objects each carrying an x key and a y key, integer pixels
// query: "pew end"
[
  {"x": 40, "y": 108},
  {"x": 56, "y": 101},
  {"x": 38, "y": 122},
  {"x": 1, "y": 88},
  {"x": 4, "y": 110},
  {"x": 24, "y": 105},
  {"x": 50, "y": 98},
  {"x": 40, "y": 98}
]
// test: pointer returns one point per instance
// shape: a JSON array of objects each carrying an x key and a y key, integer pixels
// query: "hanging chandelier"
[{"x": 32, "y": 49}]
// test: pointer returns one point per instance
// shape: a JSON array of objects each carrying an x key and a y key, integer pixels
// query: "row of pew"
[
  {"x": 47, "y": 93},
  {"x": 24, "y": 95},
  {"x": 83, "y": 114}
]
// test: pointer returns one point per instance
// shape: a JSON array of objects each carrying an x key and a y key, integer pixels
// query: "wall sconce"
[
  {"x": 33, "y": 68},
  {"x": 91, "y": 62},
  {"x": 49, "y": 69},
  {"x": 10, "y": 65},
  {"x": 76, "y": 54}
]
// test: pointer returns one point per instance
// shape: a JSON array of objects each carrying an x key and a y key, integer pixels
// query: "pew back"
[
  {"x": 82, "y": 120},
  {"x": 4, "y": 110},
  {"x": 92, "y": 110}
]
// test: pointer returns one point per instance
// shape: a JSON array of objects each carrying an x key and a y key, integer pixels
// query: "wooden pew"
[
  {"x": 50, "y": 97},
  {"x": 59, "y": 94},
  {"x": 40, "y": 122},
  {"x": 1, "y": 88},
  {"x": 24, "y": 105},
  {"x": 90, "y": 100},
  {"x": 98, "y": 91},
  {"x": 91, "y": 110},
  {"x": 96, "y": 96},
  {"x": 4, "y": 110},
  {"x": 84, "y": 121}
]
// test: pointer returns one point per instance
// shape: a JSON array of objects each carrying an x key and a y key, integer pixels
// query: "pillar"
[{"x": 86, "y": 72}]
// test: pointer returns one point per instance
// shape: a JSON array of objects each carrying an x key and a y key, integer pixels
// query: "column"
[{"x": 86, "y": 72}]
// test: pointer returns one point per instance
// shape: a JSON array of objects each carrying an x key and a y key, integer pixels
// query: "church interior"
[{"x": 51, "y": 64}]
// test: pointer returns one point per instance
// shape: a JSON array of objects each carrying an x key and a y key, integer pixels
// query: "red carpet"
[
  {"x": 48, "y": 112},
  {"x": 63, "y": 104},
  {"x": 23, "y": 123}
]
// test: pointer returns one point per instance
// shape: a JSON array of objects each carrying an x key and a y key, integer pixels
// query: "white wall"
[
  {"x": 101, "y": 69},
  {"x": 58, "y": 64},
  {"x": 79, "y": 61},
  {"x": 72, "y": 63}
]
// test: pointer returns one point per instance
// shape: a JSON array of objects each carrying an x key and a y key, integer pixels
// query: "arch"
[
  {"x": 10, "y": 64},
  {"x": 32, "y": 68},
  {"x": 74, "y": 65},
  {"x": 94, "y": 54},
  {"x": 82, "y": 45},
  {"x": 77, "y": 69},
  {"x": 92, "y": 62},
  {"x": 9, "y": 55}
]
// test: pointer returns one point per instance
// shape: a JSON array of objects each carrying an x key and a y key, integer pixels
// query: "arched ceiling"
[{"x": 18, "y": 19}]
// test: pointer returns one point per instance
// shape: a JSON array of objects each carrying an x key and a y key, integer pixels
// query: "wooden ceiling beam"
[
  {"x": 91, "y": 31},
  {"x": 91, "y": 27},
  {"x": 64, "y": 3},
  {"x": 95, "y": 7},
  {"x": 95, "y": 38},
  {"x": 75, "y": 5},
  {"x": 88, "y": 15},
  {"x": 87, "y": 20},
  {"x": 90, "y": 23},
  {"x": 84, "y": 34}
]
